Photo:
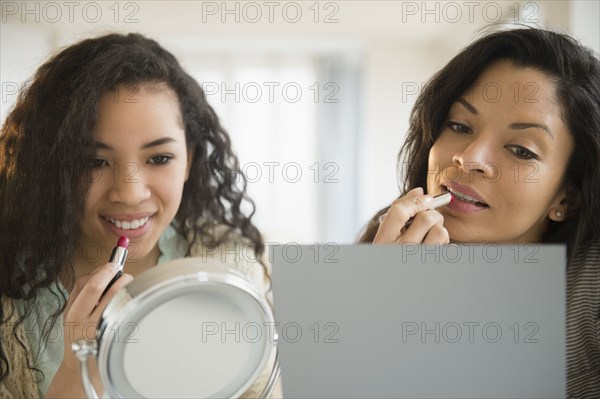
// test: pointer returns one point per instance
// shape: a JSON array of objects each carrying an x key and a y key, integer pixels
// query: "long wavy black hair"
[
  {"x": 46, "y": 150},
  {"x": 575, "y": 71}
]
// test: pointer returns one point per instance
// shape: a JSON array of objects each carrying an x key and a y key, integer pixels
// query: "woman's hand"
[
  {"x": 81, "y": 318},
  {"x": 427, "y": 226}
]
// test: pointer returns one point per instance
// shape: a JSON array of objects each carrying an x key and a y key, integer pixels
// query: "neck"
[{"x": 135, "y": 266}]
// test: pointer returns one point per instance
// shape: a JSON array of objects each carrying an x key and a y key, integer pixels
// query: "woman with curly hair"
[
  {"x": 511, "y": 128},
  {"x": 112, "y": 138}
]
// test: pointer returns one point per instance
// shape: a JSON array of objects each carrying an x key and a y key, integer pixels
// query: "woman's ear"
[{"x": 565, "y": 204}]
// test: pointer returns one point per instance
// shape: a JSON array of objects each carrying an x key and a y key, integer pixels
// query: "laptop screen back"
[{"x": 410, "y": 321}]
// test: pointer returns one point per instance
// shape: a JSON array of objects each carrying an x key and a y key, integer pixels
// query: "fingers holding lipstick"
[
  {"x": 427, "y": 228},
  {"x": 400, "y": 213},
  {"x": 83, "y": 309},
  {"x": 413, "y": 219},
  {"x": 437, "y": 235},
  {"x": 120, "y": 283},
  {"x": 88, "y": 289}
]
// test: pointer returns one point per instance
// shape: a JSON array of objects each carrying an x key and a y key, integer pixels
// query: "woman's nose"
[
  {"x": 128, "y": 186},
  {"x": 476, "y": 158}
]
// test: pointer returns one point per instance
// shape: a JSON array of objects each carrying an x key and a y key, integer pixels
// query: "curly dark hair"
[
  {"x": 574, "y": 69},
  {"x": 47, "y": 146}
]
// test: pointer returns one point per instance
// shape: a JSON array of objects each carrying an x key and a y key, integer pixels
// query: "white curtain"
[{"x": 294, "y": 124}]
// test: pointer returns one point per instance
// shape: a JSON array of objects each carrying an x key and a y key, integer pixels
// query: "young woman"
[
  {"x": 112, "y": 138},
  {"x": 511, "y": 127}
]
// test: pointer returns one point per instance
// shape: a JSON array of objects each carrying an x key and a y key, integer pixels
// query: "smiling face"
[
  {"x": 141, "y": 166},
  {"x": 506, "y": 146}
]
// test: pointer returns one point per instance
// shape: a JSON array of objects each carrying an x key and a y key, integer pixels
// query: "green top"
[{"x": 48, "y": 358}]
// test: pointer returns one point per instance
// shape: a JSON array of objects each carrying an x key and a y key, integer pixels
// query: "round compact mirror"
[{"x": 190, "y": 328}]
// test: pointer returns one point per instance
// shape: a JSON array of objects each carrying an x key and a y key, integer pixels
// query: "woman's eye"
[
  {"x": 458, "y": 127},
  {"x": 160, "y": 159},
  {"x": 522, "y": 152},
  {"x": 98, "y": 163}
]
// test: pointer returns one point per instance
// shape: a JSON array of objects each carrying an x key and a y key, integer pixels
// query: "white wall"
[{"x": 584, "y": 22}]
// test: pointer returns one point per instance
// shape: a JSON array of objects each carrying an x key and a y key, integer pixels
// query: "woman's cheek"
[
  {"x": 94, "y": 196},
  {"x": 170, "y": 186}
]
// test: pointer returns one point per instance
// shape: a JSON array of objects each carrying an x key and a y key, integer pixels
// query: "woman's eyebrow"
[
  {"x": 468, "y": 106},
  {"x": 158, "y": 142},
  {"x": 154, "y": 143},
  {"x": 527, "y": 125}
]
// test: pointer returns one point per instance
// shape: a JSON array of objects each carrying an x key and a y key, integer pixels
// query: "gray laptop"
[{"x": 411, "y": 321}]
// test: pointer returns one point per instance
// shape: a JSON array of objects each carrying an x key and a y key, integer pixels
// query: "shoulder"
[
  {"x": 585, "y": 267},
  {"x": 20, "y": 382},
  {"x": 583, "y": 285},
  {"x": 583, "y": 321}
]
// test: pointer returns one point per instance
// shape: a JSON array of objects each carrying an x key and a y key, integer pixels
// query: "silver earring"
[{"x": 558, "y": 214}]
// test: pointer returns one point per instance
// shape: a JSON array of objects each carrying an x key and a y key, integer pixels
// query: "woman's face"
[
  {"x": 506, "y": 146},
  {"x": 140, "y": 168}
]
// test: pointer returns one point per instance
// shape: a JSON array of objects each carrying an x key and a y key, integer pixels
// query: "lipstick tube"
[{"x": 118, "y": 256}]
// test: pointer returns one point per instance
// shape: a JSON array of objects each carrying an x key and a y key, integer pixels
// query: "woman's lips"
[
  {"x": 131, "y": 233},
  {"x": 461, "y": 205},
  {"x": 464, "y": 192}
]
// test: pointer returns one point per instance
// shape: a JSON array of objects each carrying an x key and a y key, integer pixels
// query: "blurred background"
[{"x": 315, "y": 94}]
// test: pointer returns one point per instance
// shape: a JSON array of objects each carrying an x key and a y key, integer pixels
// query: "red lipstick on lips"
[{"x": 119, "y": 254}]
